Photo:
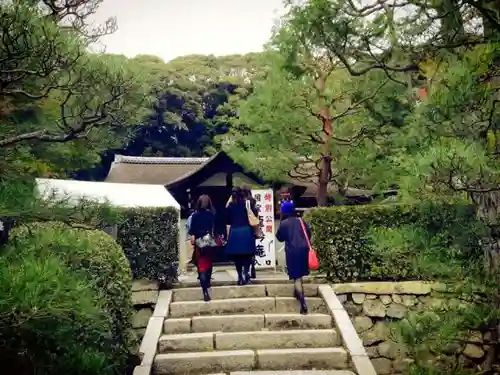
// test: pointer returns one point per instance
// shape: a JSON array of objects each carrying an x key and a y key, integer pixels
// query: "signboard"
[{"x": 266, "y": 255}]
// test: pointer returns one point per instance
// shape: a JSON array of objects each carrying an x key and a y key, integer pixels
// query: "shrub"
[
  {"x": 149, "y": 238},
  {"x": 97, "y": 258},
  {"x": 395, "y": 241},
  {"x": 52, "y": 321}
]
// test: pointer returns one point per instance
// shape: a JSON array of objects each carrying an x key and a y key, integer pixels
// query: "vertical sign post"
[{"x": 266, "y": 254}]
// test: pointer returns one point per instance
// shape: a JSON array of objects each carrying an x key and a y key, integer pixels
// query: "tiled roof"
[
  {"x": 151, "y": 170},
  {"x": 157, "y": 160}
]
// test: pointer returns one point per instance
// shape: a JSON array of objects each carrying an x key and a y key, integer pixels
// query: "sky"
[{"x": 173, "y": 28}]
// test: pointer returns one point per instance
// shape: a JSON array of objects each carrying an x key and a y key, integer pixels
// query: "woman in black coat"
[
  {"x": 240, "y": 237},
  {"x": 203, "y": 223},
  {"x": 291, "y": 232}
]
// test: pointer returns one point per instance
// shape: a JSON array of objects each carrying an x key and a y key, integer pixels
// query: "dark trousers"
[{"x": 243, "y": 264}]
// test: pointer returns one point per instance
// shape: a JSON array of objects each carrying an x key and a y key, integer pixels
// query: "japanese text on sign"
[{"x": 265, "y": 256}]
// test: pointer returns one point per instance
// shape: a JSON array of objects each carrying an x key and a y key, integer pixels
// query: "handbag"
[
  {"x": 206, "y": 241},
  {"x": 312, "y": 256},
  {"x": 253, "y": 221}
]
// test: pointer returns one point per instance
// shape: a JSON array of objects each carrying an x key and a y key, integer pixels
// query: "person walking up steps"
[
  {"x": 247, "y": 194},
  {"x": 203, "y": 239},
  {"x": 293, "y": 231},
  {"x": 240, "y": 237}
]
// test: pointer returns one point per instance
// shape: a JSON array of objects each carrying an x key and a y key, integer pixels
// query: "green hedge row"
[
  {"x": 65, "y": 302},
  {"x": 394, "y": 241},
  {"x": 149, "y": 238}
]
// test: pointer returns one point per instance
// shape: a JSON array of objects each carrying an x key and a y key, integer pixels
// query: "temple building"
[{"x": 188, "y": 178}]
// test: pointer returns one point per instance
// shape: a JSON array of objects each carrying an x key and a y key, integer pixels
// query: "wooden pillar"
[
  {"x": 229, "y": 180},
  {"x": 189, "y": 199}
]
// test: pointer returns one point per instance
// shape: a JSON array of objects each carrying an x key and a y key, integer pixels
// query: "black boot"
[
  {"x": 253, "y": 273},
  {"x": 209, "y": 277},
  {"x": 246, "y": 273},
  {"x": 204, "y": 285},
  {"x": 303, "y": 305},
  {"x": 296, "y": 295},
  {"x": 239, "y": 270}
]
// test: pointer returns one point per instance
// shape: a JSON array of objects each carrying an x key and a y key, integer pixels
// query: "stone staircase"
[{"x": 254, "y": 328}]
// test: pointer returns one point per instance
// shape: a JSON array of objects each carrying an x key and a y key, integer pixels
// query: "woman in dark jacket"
[
  {"x": 296, "y": 249},
  {"x": 240, "y": 237},
  {"x": 202, "y": 223}
]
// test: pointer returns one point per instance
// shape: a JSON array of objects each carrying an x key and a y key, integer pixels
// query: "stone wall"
[
  {"x": 144, "y": 297},
  {"x": 374, "y": 307}
]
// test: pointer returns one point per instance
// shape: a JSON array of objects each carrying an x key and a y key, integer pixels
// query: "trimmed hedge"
[
  {"x": 149, "y": 238},
  {"x": 394, "y": 241},
  {"x": 52, "y": 320},
  {"x": 98, "y": 265}
]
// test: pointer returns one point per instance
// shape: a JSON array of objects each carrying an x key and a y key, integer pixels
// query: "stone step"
[
  {"x": 297, "y": 321},
  {"x": 295, "y": 372},
  {"x": 290, "y": 304},
  {"x": 286, "y": 290},
  {"x": 302, "y": 359},
  {"x": 247, "y": 291},
  {"x": 246, "y": 360},
  {"x": 262, "y": 305},
  {"x": 248, "y": 340},
  {"x": 249, "y": 322},
  {"x": 220, "y": 292},
  {"x": 276, "y": 339},
  {"x": 203, "y": 363}
]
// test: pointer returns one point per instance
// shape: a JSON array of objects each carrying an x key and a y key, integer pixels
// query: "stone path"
[
  {"x": 227, "y": 275},
  {"x": 252, "y": 330}
]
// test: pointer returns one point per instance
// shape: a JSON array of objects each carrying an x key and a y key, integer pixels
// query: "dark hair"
[
  {"x": 204, "y": 203},
  {"x": 237, "y": 195},
  {"x": 247, "y": 192},
  {"x": 286, "y": 216}
]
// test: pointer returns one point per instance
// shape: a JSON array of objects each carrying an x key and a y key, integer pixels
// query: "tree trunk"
[
  {"x": 323, "y": 180},
  {"x": 452, "y": 27},
  {"x": 488, "y": 210},
  {"x": 326, "y": 158}
]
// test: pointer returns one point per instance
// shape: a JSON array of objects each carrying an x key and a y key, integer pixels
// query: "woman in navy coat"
[
  {"x": 240, "y": 237},
  {"x": 296, "y": 249}
]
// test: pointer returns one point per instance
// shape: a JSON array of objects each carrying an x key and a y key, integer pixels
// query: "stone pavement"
[
  {"x": 226, "y": 275},
  {"x": 251, "y": 330}
]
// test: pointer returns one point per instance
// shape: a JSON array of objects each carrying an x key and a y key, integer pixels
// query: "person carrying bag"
[
  {"x": 202, "y": 237},
  {"x": 295, "y": 234},
  {"x": 240, "y": 245}
]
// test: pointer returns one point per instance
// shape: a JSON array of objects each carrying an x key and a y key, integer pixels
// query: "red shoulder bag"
[{"x": 313, "y": 256}]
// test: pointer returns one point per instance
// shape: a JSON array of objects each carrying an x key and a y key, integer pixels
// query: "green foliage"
[
  {"x": 149, "y": 238},
  {"x": 446, "y": 330},
  {"x": 66, "y": 301},
  {"x": 60, "y": 106},
  {"x": 189, "y": 91},
  {"x": 396, "y": 241},
  {"x": 52, "y": 320},
  {"x": 93, "y": 256},
  {"x": 283, "y": 126}
]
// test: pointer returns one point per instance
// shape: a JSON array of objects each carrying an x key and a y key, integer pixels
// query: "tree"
[
  {"x": 442, "y": 48},
  {"x": 53, "y": 91},
  {"x": 308, "y": 113},
  {"x": 60, "y": 106},
  {"x": 448, "y": 146}
]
